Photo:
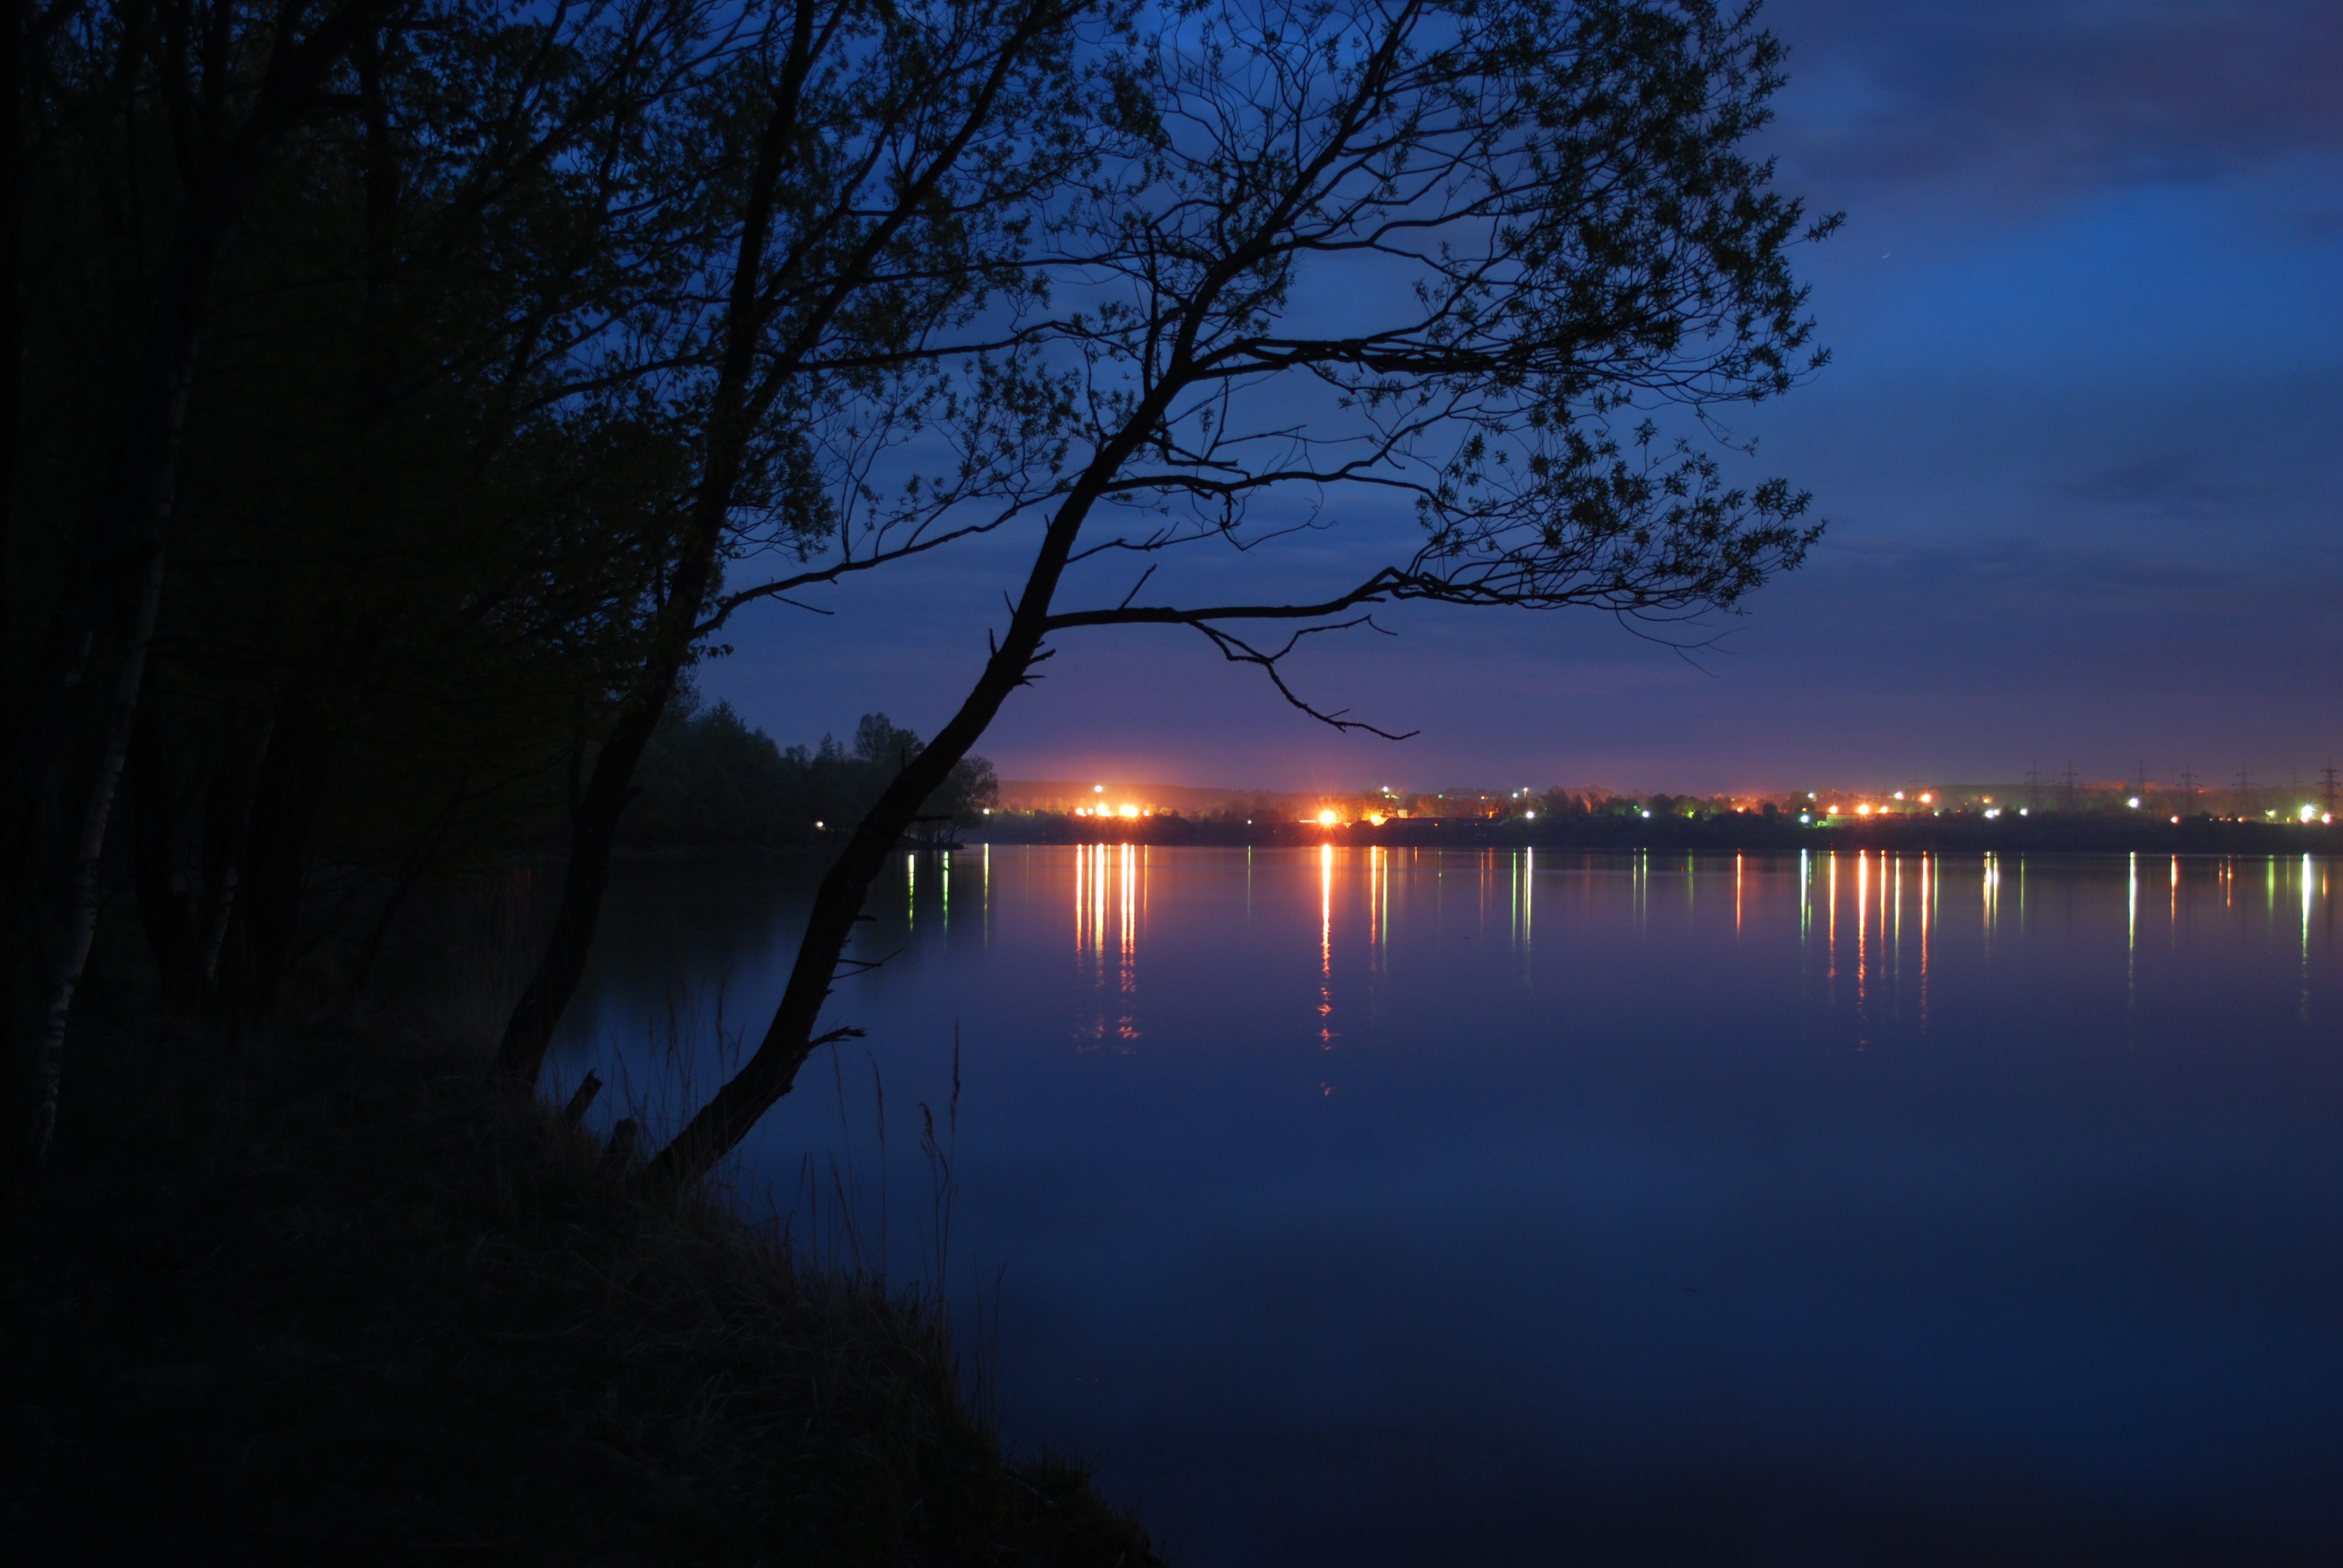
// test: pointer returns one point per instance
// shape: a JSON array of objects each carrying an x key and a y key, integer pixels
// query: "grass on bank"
[{"x": 340, "y": 1302}]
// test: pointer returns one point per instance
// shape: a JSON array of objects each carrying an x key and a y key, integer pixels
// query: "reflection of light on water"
[
  {"x": 2303, "y": 1012},
  {"x": 1862, "y": 929},
  {"x": 1326, "y": 910},
  {"x": 1381, "y": 903},
  {"x": 1895, "y": 948},
  {"x": 1326, "y": 946},
  {"x": 1110, "y": 894},
  {"x": 2131, "y": 935},
  {"x": 1522, "y": 868},
  {"x": 1130, "y": 968},
  {"x": 1830, "y": 928},
  {"x": 1927, "y": 892},
  {"x": 1805, "y": 896}
]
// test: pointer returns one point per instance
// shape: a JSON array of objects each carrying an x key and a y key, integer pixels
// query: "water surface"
[{"x": 1361, "y": 1207}]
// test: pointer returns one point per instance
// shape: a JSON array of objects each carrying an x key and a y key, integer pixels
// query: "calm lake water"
[{"x": 1362, "y": 1207}]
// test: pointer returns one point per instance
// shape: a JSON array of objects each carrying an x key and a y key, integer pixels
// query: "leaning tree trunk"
[
  {"x": 593, "y": 834},
  {"x": 83, "y": 890},
  {"x": 772, "y": 1070},
  {"x": 120, "y": 594},
  {"x": 594, "y": 825},
  {"x": 769, "y": 1074}
]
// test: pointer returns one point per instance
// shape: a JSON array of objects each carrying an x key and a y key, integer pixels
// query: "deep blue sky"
[{"x": 2081, "y": 452}]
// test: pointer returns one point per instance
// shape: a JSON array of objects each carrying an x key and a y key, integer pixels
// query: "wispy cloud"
[{"x": 2029, "y": 99}]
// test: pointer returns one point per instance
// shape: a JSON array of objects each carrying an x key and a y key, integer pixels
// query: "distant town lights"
[
  {"x": 1327, "y": 818},
  {"x": 2308, "y": 811},
  {"x": 2133, "y": 802}
]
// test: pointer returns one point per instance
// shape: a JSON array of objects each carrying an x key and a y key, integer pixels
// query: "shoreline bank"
[{"x": 342, "y": 1297}]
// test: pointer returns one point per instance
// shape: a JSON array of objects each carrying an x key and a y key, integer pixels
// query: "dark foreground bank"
[{"x": 345, "y": 1304}]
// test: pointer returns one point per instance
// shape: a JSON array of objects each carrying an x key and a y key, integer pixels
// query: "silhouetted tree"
[
  {"x": 1435, "y": 252},
  {"x": 879, "y": 167}
]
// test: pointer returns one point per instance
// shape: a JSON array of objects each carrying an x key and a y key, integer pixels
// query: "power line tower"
[
  {"x": 2140, "y": 779},
  {"x": 2245, "y": 793},
  {"x": 2066, "y": 788},
  {"x": 2188, "y": 788},
  {"x": 2327, "y": 785},
  {"x": 2033, "y": 785}
]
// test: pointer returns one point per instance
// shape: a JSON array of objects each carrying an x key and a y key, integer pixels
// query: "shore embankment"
[{"x": 340, "y": 1300}]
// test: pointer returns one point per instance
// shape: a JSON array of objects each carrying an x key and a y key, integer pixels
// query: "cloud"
[{"x": 2031, "y": 99}]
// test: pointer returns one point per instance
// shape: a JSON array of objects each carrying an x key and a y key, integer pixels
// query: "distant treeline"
[{"x": 710, "y": 780}]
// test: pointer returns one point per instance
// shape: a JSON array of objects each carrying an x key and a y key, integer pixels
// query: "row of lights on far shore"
[
  {"x": 2309, "y": 813},
  {"x": 1329, "y": 817}
]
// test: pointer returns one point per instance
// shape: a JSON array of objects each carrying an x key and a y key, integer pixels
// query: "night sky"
[{"x": 2081, "y": 453}]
